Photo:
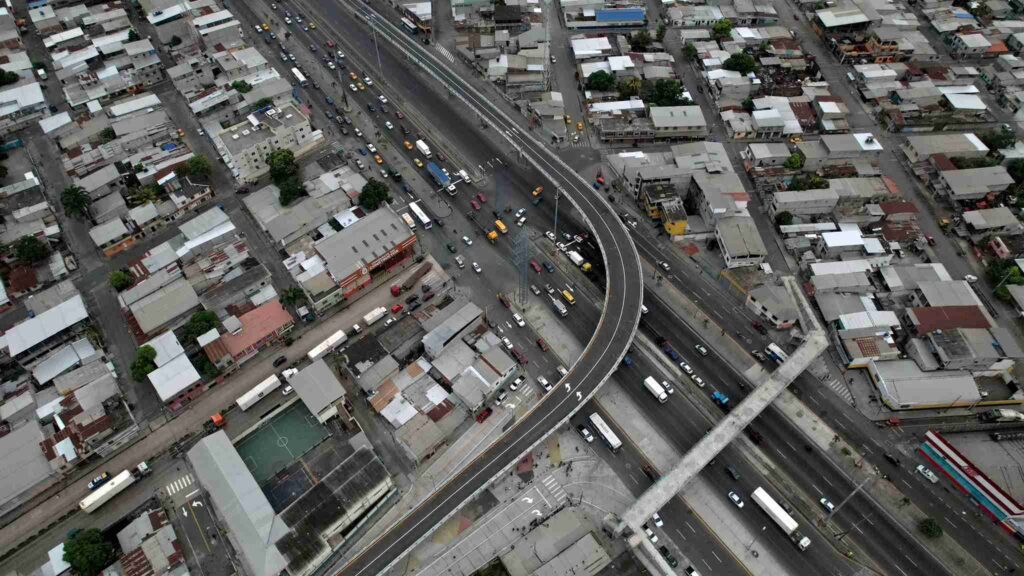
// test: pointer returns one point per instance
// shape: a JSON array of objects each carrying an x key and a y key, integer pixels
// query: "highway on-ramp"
[{"x": 611, "y": 339}]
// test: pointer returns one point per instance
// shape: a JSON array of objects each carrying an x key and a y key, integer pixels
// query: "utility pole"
[
  {"x": 558, "y": 192},
  {"x": 756, "y": 535},
  {"x": 847, "y": 499}
]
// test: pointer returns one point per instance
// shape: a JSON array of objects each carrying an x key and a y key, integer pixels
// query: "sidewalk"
[
  {"x": 846, "y": 456},
  {"x": 46, "y": 514}
]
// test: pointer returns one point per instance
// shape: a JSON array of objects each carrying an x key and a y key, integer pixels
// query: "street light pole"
[
  {"x": 558, "y": 191},
  {"x": 756, "y": 535},
  {"x": 847, "y": 499}
]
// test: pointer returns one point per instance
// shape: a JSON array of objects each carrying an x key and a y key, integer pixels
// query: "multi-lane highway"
[{"x": 621, "y": 311}]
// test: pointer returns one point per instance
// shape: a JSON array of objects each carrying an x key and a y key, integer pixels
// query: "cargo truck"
[
  {"x": 783, "y": 520},
  {"x": 559, "y": 307},
  {"x": 112, "y": 488},
  {"x": 492, "y": 236},
  {"x": 423, "y": 148},
  {"x": 578, "y": 260},
  {"x": 501, "y": 226},
  {"x": 1002, "y": 415},
  {"x": 438, "y": 175},
  {"x": 656, "y": 390},
  {"x": 374, "y": 315},
  {"x": 411, "y": 281}
]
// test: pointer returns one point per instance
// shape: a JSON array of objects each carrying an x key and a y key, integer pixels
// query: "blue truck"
[
  {"x": 440, "y": 178},
  {"x": 721, "y": 399}
]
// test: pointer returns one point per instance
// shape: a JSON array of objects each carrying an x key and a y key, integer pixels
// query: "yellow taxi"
[
  {"x": 568, "y": 120},
  {"x": 378, "y": 159},
  {"x": 266, "y": 27},
  {"x": 579, "y": 126},
  {"x": 417, "y": 162},
  {"x": 312, "y": 25},
  {"x": 352, "y": 76},
  {"x": 407, "y": 144}
]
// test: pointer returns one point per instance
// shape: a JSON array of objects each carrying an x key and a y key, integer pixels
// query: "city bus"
[
  {"x": 605, "y": 432},
  {"x": 408, "y": 26},
  {"x": 655, "y": 389},
  {"x": 250, "y": 398},
  {"x": 421, "y": 215},
  {"x": 775, "y": 353},
  {"x": 409, "y": 221},
  {"x": 332, "y": 342},
  {"x": 299, "y": 77}
]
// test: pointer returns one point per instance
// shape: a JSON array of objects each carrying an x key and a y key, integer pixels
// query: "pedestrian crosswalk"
[
  {"x": 841, "y": 390},
  {"x": 554, "y": 488},
  {"x": 444, "y": 52},
  {"x": 179, "y": 484},
  {"x": 581, "y": 143}
]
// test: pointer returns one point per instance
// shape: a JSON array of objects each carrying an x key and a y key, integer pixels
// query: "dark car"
[
  {"x": 405, "y": 130},
  {"x": 732, "y": 472},
  {"x": 892, "y": 459},
  {"x": 280, "y": 360},
  {"x": 483, "y": 415},
  {"x": 668, "y": 557},
  {"x": 450, "y": 247},
  {"x": 370, "y": 107},
  {"x": 549, "y": 267},
  {"x": 754, "y": 436},
  {"x": 412, "y": 298}
]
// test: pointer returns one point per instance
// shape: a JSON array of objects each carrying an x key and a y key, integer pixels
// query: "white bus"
[
  {"x": 247, "y": 400},
  {"x": 655, "y": 389},
  {"x": 605, "y": 432},
  {"x": 775, "y": 353},
  {"x": 408, "y": 26},
  {"x": 332, "y": 342},
  {"x": 421, "y": 215},
  {"x": 409, "y": 221},
  {"x": 299, "y": 77}
]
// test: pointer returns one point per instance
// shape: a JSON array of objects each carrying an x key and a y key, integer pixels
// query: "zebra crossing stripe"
[
  {"x": 444, "y": 52},
  {"x": 179, "y": 484}
]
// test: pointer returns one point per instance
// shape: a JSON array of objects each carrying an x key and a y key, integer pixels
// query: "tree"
[
  {"x": 1015, "y": 168},
  {"x": 292, "y": 296},
  {"x": 31, "y": 249},
  {"x": 667, "y": 93},
  {"x": 794, "y": 162},
  {"x": 282, "y": 166},
  {"x": 133, "y": 36},
  {"x": 198, "y": 166},
  {"x": 291, "y": 190},
  {"x": 175, "y": 41},
  {"x": 748, "y": 104},
  {"x": 87, "y": 552},
  {"x": 740, "y": 62},
  {"x": 630, "y": 87},
  {"x": 242, "y": 86},
  {"x": 640, "y": 41},
  {"x": 121, "y": 280},
  {"x": 144, "y": 363},
  {"x": 1003, "y": 273},
  {"x": 722, "y": 30},
  {"x": 783, "y": 218},
  {"x": 200, "y": 323},
  {"x": 690, "y": 51},
  {"x": 75, "y": 200},
  {"x": 374, "y": 194},
  {"x": 107, "y": 134},
  {"x": 998, "y": 139},
  {"x": 208, "y": 369},
  {"x": 965, "y": 163},
  {"x": 807, "y": 182},
  {"x": 601, "y": 80},
  {"x": 662, "y": 30},
  {"x": 8, "y": 77},
  {"x": 263, "y": 103},
  {"x": 930, "y": 528}
]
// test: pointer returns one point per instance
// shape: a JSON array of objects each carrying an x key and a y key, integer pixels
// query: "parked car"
[
  {"x": 280, "y": 360},
  {"x": 99, "y": 480},
  {"x": 585, "y": 433},
  {"x": 737, "y": 500}
]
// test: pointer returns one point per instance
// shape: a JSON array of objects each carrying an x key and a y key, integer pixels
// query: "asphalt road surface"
[{"x": 611, "y": 339}]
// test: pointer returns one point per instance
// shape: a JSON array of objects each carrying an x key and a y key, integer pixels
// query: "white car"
[
  {"x": 521, "y": 221},
  {"x": 287, "y": 390},
  {"x": 515, "y": 385},
  {"x": 519, "y": 320},
  {"x": 736, "y": 499},
  {"x": 550, "y": 235},
  {"x": 535, "y": 290},
  {"x": 686, "y": 368},
  {"x": 358, "y": 133},
  {"x": 477, "y": 268},
  {"x": 520, "y": 212},
  {"x": 698, "y": 381},
  {"x": 650, "y": 534},
  {"x": 971, "y": 278},
  {"x": 288, "y": 21},
  {"x": 657, "y": 520},
  {"x": 389, "y": 125},
  {"x": 258, "y": 29},
  {"x": 664, "y": 265},
  {"x": 340, "y": 55},
  {"x": 383, "y": 99},
  {"x": 562, "y": 371},
  {"x": 331, "y": 65},
  {"x": 389, "y": 322},
  {"x": 561, "y": 247},
  {"x": 467, "y": 241},
  {"x": 544, "y": 383},
  {"x": 924, "y": 471},
  {"x": 506, "y": 342},
  {"x": 451, "y": 188},
  {"x": 701, "y": 349},
  {"x": 827, "y": 505},
  {"x": 383, "y": 173},
  {"x": 367, "y": 81},
  {"x": 371, "y": 148},
  {"x": 353, "y": 88}
]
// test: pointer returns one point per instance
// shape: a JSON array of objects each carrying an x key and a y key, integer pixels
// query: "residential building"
[
  {"x": 740, "y": 242},
  {"x": 972, "y": 184},
  {"x": 246, "y": 145},
  {"x": 246, "y": 335},
  {"x": 320, "y": 390},
  {"x": 774, "y": 304}
]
